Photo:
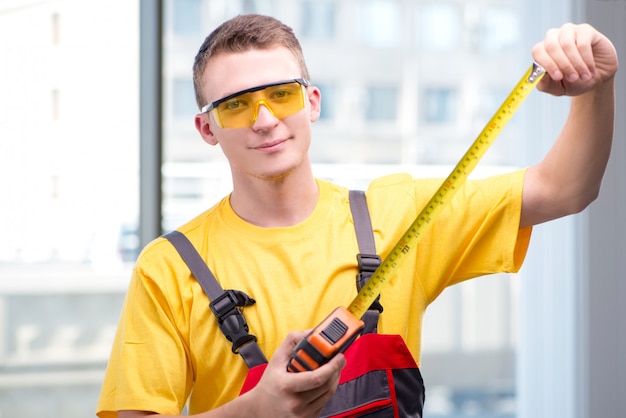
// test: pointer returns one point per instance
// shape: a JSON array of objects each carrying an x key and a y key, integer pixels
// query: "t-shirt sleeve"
[
  {"x": 149, "y": 367},
  {"x": 479, "y": 234}
]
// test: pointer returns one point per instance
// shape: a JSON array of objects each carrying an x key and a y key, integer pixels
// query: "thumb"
[{"x": 285, "y": 349}]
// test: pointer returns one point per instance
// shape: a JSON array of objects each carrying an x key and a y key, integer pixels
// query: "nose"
[{"x": 263, "y": 116}]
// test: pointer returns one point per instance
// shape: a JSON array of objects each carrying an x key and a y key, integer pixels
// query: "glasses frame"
[{"x": 209, "y": 107}]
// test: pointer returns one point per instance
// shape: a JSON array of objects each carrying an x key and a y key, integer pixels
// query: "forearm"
[
  {"x": 568, "y": 179},
  {"x": 578, "y": 162},
  {"x": 278, "y": 393},
  {"x": 238, "y": 407}
]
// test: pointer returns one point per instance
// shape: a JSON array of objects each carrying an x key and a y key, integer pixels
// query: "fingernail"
[{"x": 585, "y": 77}]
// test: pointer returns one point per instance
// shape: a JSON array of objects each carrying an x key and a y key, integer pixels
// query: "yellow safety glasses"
[{"x": 240, "y": 110}]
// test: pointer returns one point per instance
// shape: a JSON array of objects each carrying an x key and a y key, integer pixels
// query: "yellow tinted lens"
[
  {"x": 285, "y": 99},
  {"x": 241, "y": 111},
  {"x": 236, "y": 112}
]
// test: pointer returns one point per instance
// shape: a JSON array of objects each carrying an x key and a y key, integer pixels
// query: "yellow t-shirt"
[{"x": 168, "y": 346}]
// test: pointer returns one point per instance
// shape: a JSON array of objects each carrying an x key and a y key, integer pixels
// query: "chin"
[{"x": 276, "y": 175}]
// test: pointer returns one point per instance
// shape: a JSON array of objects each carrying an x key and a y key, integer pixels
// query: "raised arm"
[{"x": 580, "y": 62}]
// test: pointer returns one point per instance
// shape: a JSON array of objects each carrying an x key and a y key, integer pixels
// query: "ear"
[
  {"x": 203, "y": 126},
  {"x": 315, "y": 102}
]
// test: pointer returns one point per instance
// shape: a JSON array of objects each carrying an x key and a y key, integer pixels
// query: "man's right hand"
[{"x": 283, "y": 394}]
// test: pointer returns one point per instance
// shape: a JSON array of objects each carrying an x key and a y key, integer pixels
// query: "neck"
[{"x": 275, "y": 203}]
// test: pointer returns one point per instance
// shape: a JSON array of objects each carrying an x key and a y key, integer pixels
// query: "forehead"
[{"x": 228, "y": 73}]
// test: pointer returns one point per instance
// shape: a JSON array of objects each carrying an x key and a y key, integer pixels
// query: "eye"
[
  {"x": 282, "y": 94},
  {"x": 233, "y": 105}
]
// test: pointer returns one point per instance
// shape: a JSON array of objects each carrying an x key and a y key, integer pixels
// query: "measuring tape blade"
[{"x": 442, "y": 196}]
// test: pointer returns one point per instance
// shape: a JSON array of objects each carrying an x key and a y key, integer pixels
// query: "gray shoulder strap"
[
  {"x": 362, "y": 222},
  {"x": 224, "y": 304},
  {"x": 368, "y": 260}
]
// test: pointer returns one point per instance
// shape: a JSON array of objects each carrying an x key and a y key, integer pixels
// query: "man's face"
[{"x": 270, "y": 147}]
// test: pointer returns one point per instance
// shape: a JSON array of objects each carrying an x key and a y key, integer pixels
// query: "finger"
[
  {"x": 319, "y": 396},
  {"x": 546, "y": 54},
  {"x": 585, "y": 39},
  {"x": 328, "y": 374},
  {"x": 575, "y": 41},
  {"x": 567, "y": 53}
]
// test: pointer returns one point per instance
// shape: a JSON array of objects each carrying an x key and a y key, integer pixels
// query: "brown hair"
[{"x": 240, "y": 34}]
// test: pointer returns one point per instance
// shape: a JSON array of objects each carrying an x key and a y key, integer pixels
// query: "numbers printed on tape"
[
  {"x": 342, "y": 326},
  {"x": 450, "y": 185}
]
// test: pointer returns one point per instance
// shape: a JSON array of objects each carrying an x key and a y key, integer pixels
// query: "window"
[
  {"x": 499, "y": 29},
  {"x": 378, "y": 23},
  {"x": 328, "y": 101},
  {"x": 373, "y": 78},
  {"x": 187, "y": 17},
  {"x": 183, "y": 98},
  {"x": 70, "y": 201},
  {"x": 250, "y": 6},
  {"x": 381, "y": 103},
  {"x": 439, "y": 105},
  {"x": 69, "y": 189},
  {"x": 439, "y": 26},
  {"x": 318, "y": 20}
]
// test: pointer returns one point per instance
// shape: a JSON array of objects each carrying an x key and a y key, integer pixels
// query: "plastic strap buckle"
[
  {"x": 229, "y": 300},
  {"x": 230, "y": 319},
  {"x": 368, "y": 263}
]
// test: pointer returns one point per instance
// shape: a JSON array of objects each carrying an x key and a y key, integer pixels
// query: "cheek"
[
  {"x": 228, "y": 145},
  {"x": 303, "y": 132}
]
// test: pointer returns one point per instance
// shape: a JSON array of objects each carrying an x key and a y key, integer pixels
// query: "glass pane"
[
  {"x": 378, "y": 23},
  {"x": 439, "y": 26},
  {"x": 381, "y": 103},
  {"x": 69, "y": 187},
  {"x": 402, "y": 90},
  {"x": 499, "y": 29},
  {"x": 183, "y": 99},
  {"x": 328, "y": 101},
  {"x": 318, "y": 19},
  {"x": 439, "y": 105},
  {"x": 187, "y": 17}
]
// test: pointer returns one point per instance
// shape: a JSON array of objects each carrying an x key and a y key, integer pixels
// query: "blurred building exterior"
[
  {"x": 406, "y": 84},
  {"x": 68, "y": 181}
]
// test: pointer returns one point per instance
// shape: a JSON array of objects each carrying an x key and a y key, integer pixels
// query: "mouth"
[{"x": 271, "y": 146}]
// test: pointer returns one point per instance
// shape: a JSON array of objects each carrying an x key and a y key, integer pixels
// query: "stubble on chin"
[{"x": 276, "y": 178}]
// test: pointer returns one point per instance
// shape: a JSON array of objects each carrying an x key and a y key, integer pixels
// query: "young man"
[{"x": 287, "y": 239}]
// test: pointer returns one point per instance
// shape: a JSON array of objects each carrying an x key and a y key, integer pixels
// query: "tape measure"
[
  {"x": 309, "y": 353},
  {"x": 442, "y": 196}
]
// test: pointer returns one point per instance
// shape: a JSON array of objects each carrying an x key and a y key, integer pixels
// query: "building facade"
[{"x": 406, "y": 85}]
